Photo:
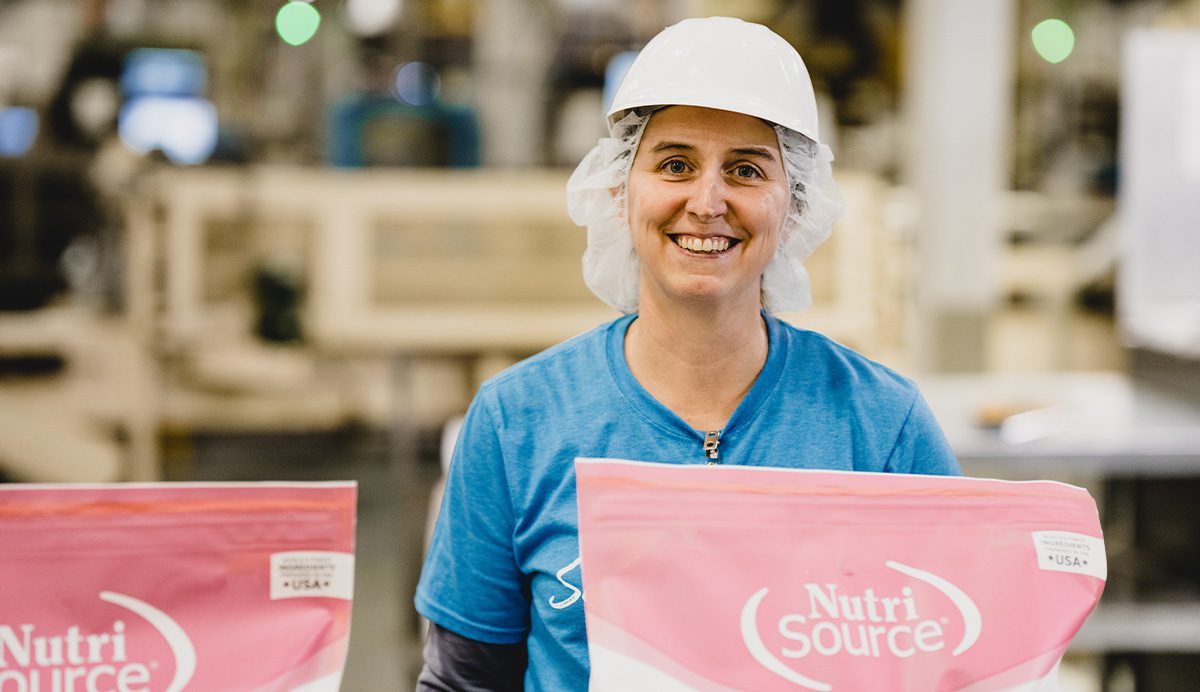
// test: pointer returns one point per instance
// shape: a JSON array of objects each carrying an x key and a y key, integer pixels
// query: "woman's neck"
[{"x": 699, "y": 363}]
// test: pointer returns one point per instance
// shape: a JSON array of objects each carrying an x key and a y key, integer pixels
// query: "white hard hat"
[{"x": 723, "y": 63}]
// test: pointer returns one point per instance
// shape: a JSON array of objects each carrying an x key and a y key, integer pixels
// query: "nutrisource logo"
[
  {"x": 870, "y": 624},
  {"x": 70, "y": 661}
]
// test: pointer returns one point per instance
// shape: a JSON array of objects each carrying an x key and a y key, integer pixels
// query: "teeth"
[{"x": 709, "y": 245}]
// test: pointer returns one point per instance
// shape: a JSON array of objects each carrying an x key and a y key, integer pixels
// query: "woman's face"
[{"x": 707, "y": 199}]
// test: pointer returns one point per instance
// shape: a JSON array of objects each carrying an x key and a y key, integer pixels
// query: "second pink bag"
[{"x": 738, "y": 578}]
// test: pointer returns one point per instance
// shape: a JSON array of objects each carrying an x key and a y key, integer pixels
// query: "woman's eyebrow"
[
  {"x": 761, "y": 152},
  {"x": 671, "y": 146}
]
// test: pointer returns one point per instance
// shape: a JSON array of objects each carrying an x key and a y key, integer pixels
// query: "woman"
[{"x": 699, "y": 210}]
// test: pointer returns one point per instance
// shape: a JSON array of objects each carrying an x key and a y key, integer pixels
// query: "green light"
[
  {"x": 297, "y": 22},
  {"x": 1053, "y": 40}
]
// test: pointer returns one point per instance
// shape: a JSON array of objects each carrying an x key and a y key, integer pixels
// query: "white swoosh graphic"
[
  {"x": 612, "y": 671},
  {"x": 329, "y": 683},
  {"x": 972, "y": 621},
  {"x": 177, "y": 639},
  {"x": 759, "y": 650}
]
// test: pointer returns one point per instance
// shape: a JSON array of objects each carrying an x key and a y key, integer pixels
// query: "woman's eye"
[
  {"x": 746, "y": 171},
  {"x": 675, "y": 167}
]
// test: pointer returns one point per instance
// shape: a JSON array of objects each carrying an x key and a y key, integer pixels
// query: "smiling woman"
[
  {"x": 700, "y": 208},
  {"x": 707, "y": 198}
]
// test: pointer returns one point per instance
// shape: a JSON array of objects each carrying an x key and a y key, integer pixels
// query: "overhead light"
[
  {"x": 1053, "y": 39},
  {"x": 372, "y": 17},
  {"x": 297, "y": 22}
]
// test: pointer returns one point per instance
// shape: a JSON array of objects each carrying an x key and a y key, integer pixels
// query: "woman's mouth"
[{"x": 712, "y": 245}]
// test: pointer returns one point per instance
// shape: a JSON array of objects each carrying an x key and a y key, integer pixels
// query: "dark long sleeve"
[{"x": 454, "y": 663}]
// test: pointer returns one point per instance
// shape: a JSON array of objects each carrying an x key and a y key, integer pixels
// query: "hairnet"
[{"x": 596, "y": 198}]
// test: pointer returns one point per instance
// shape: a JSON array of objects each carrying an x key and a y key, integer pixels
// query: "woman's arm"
[
  {"x": 471, "y": 586},
  {"x": 454, "y": 663}
]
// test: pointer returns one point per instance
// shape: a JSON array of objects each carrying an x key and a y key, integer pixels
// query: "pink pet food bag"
[
  {"x": 743, "y": 578},
  {"x": 174, "y": 587}
]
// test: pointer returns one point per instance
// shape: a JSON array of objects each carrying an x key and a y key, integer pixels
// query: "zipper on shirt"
[{"x": 712, "y": 439}]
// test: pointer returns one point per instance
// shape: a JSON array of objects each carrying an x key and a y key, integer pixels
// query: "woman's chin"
[{"x": 708, "y": 293}]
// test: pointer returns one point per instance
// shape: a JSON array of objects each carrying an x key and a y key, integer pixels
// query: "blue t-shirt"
[{"x": 503, "y": 566}]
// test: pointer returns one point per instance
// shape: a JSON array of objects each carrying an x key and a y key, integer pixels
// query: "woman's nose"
[{"x": 707, "y": 198}]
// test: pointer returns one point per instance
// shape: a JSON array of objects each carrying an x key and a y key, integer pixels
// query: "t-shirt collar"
[{"x": 666, "y": 419}]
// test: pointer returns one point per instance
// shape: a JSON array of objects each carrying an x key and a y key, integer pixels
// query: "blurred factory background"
[{"x": 259, "y": 239}]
